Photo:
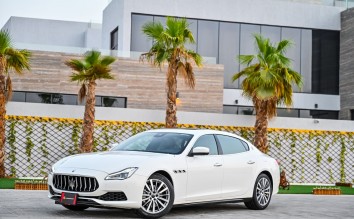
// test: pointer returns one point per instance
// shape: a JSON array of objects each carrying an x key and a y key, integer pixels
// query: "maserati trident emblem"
[{"x": 71, "y": 183}]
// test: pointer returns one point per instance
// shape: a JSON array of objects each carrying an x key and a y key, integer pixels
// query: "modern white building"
[{"x": 223, "y": 30}]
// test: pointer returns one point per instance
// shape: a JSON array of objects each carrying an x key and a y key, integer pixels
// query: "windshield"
[{"x": 158, "y": 142}]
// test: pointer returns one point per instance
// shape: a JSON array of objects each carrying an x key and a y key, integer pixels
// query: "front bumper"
[{"x": 131, "y": 188}]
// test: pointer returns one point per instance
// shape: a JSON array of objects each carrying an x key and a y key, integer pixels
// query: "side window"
[
  {"x": 246, "y": 145},
  {"x": 209, "y": 142},
  {"x": 230, "y": 145}
]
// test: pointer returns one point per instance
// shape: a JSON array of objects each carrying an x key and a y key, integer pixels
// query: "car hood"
[{"x": 108, "y": 162}]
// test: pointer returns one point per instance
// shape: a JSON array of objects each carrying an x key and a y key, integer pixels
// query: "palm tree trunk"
[
  {"x": 260, "y": 138},
  {"x": 89, "y": 119},
  {"x": 171, "y": 108},
  {"x": 2, "y": 124}
]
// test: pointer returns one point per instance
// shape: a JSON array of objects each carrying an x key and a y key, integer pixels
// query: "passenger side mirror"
[{"x": 200, "y": 151}]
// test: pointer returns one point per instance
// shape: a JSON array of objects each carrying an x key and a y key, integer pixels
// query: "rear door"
[{"x": 238, "y": 167}]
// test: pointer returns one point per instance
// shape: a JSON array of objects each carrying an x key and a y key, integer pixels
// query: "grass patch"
[
  {"x": 298, "y": 189},
  {"x": 7, "y": 183}
]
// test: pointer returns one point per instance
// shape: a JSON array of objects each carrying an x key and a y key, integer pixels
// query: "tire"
[
  {"x": 75, "y": 207},
  {"x": 159, "y": 202},
  {"x": 262, "y": 193}
]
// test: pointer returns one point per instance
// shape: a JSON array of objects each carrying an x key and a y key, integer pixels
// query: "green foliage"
[
  {"x": 12, "y": 139},
  {"x": 342, "y": 160},
  {"x": 268, "y": 74},
  {"x": 29, "y": 142}
]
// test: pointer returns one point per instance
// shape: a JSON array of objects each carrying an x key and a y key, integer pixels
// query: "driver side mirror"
[{"x": 200, "y": 151}]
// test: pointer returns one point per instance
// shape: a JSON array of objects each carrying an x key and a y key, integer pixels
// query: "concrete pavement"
[{"x": 35, "y": 204}]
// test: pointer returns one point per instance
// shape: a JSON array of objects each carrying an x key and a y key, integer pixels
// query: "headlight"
[{"x": 123, "y": 174}]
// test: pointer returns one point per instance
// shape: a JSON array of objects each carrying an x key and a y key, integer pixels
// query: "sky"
[{"x": 72, "y": 10}]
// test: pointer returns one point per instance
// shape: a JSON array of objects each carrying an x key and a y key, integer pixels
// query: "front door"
[{"x": 204, "y": 172}]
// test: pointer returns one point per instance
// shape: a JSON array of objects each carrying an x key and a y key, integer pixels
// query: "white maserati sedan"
[{"x": 158, "y": 169}]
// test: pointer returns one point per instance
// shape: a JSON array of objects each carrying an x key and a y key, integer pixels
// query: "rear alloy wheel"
[
  {"x": 158, "y": 197},
  {"x": 262, "y": 193},
  {"x": 75, "y": 207}
]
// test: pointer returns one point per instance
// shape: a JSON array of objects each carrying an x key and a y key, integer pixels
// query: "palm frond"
[
  {"x": 92, "y": 57},
  {"x": 246, "y": 59},
  {"x": 107, "y": 60},
  {"x": 17, "y": 60},
  {"x": 82, "y": 93},
  {"x": 5, "y": 41},
  {"x": 76, "y": 65},
  {"x": 8, "y": 88},
  {"x": 153, "y": 30}
]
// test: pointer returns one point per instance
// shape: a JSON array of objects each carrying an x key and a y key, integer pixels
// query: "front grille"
[
  {"x": 75, "y": 183},
  {"x": 113, "y": 196}
]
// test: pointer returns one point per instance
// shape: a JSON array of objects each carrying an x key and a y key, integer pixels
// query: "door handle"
[
  {"x": 217, "y": 165},
  {"x": 250, "y": 162}
]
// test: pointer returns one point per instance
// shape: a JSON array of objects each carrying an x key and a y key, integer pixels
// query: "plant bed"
[
  {"x": 7, "y": 183},
  {"x": 32, "y": 184},
  {"x": 307, "y": 189},
  {"x": 344, "y": 184},
  {"x": 327, "y": 191}
]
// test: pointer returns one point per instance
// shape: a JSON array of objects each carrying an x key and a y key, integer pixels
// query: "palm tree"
[
  {"x": 169, "y": 46},
  {"x": 86, "y": 72},
  {"x": 11, "y": 60},
  {"x": 268, "y": 82}
]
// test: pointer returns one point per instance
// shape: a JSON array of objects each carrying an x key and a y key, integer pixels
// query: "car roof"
[{"x": 191, "y": 131}]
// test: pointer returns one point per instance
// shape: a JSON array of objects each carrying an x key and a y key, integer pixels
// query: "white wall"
[
  {"x": 269, "y": 12},
  {"x": 138, "y": 115},
  {"x": 52, "y": 32},
  {"x": 300, "y": 100}
]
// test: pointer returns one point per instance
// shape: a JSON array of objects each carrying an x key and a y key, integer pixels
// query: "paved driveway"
[{"x": 35, "y": 204}]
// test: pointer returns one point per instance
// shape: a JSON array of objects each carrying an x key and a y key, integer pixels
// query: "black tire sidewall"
[{"x": 145, "y": 214}]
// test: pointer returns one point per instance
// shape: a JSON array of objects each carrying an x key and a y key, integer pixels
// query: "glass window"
[
  {"x": 247, "y": 45},
  {"x": 114, "y": 39},
  {"x": 325, "y": 62},
  {"x": 208, "y": 38},
  {"x": 18, "y": 96},
  {"x": 113, "y": 102},
  {"x": 38, "y": 98},
  {"x": 229, "y": 48},
  {"x": 324, "y": 114},
  {"x": 230, "y": 145},
  {"x": 271, "y": 32},
  {"x": 69, "y": 99},
  {"x": 288, "y": 113},
  {"x": 156, "y": 142},
  {"x": 207, "y": 141},
  {"x": 140, "y": 42},
  {"x": 306, "y": 56},
  {"x": 294, "y": 52},
  {"x": 57, "y": 99},
  {"x": 239, "y": 110},
  {"x": 193, "y": 26}
]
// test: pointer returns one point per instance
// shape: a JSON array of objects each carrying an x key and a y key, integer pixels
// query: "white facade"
[{"x": 34, "y": 32}]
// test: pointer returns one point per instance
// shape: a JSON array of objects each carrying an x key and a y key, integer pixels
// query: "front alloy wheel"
[
  {"x": 262, "y": 193},
  {"x": 157, "y": 198}
]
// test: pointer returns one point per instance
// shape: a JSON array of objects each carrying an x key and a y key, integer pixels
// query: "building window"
[
  {"x": 66, "y": 99},
  {"x": 325, "y": 62},
  {"x": 114, "y": 39}
]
